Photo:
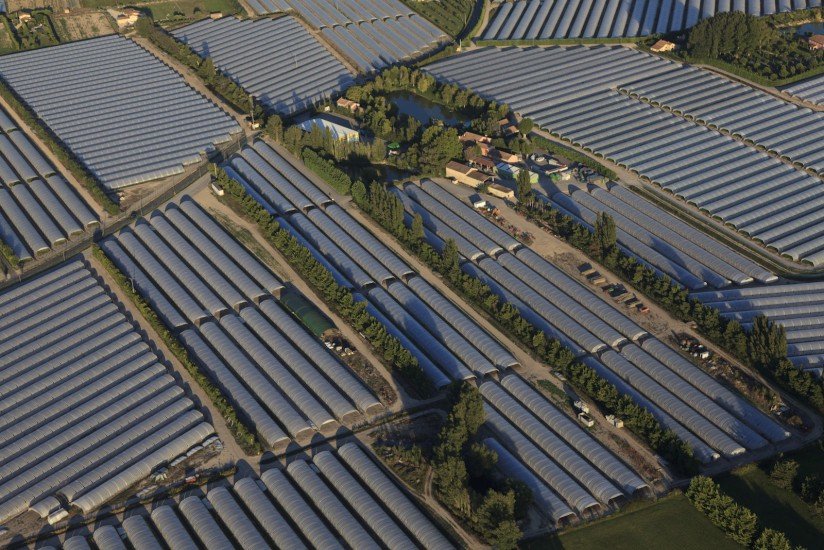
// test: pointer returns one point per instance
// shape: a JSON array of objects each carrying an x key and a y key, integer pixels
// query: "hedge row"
[
  {"x": 245, "y": 437},
  {"x": 327, "y": 170}
]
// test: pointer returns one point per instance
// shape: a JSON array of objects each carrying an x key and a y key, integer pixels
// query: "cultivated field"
[{"x": 82, "y": 24}]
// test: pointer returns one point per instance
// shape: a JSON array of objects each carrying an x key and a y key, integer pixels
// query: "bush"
[
  {"x": 783, "y": 473},
  {"x": 9, "y": 254}
]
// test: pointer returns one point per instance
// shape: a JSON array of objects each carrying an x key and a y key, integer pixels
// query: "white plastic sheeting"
[
  {"x": 392, "y": 496},
  {"x": 107, "y": 538},
  {"x": 80, "y": 409},
  {"x": 235, "y": 519},
  {"x": 547, "y": 501},
  {"x": 299, "y": 510},
  {"x": 702, "y": 450},
  {"x": 371, "y": 34},
  {"x": 760, "y": 196},
  {"x": 42, "y": 213},
  {"x": 76, "y": 543},
  {"x": 260, "y": 419},
  {"x": 543, "y": 19},
  {"x": 278, "y": 61},
  {"x": 574, "y": 434},
  {"x": 241, "y": 256},
  {"x": 163, "y": 123},
  {"x": 139, "y": 533},
  {"x": 266, "y": 514},
  {"x": 362, "y": 502},
  {"x": 171, "y": 529},
  {"x": 529, "y": 453},
  {"x": 140, "y": 470},
  {"x": 554, "y": 447},
  {"x": 362, "y": 258},
  {"x": 210, "y": 535},
  {"x": 465, "y": 212},
  {"x": 325, "y": 500}
]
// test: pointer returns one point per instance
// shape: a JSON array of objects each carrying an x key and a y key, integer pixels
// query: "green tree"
[
  {"x": 523, "y": 188},
  {"x": 274, "y": 128},
  {"x": 772, "y": 540},
  {"x": 438, "y": 146},
  {"x": 495, "y": 518},
  {"x": 767, "y": 343},
  {"x": 207, "y": 70},
  {"x": 416, "y": 231},
  {"x": 450, "y": 259},
  {"x": 451, "y": 484},
  {"x": 605, "y": 236},
  {"x": 359, "y": 195},
  {"x": 783, "y": 473},
  {"x": 481, "y": 461},
  {"x": 525, "y": 126}
]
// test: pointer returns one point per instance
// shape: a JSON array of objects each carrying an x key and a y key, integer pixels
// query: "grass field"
[
  {"x": 777, "y": 508},
  {"x": 671, "y": 523}
]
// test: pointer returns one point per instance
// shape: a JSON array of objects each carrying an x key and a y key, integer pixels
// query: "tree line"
[
  {"x": 763, "y": 348},
  {"x": 737, "y": 521},
  {"x": 340, "y": 298},
  {"x": 246, "y": 437},
  {"x": 387, "y": 210}
]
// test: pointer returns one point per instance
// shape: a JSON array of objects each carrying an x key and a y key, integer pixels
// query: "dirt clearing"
[{"x": 80, "y": 24}]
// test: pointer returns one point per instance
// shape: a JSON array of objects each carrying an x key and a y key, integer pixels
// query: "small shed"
[
  {"x": 508, "y": 171},
  {"x": 466, "y": 175},
  {"x": 482, "y": 163},
  {"x": 339, "y": 132},
  {"x": 349, "y": 105},
  {"x": 662, "y": 46},
  {"x": 497, "y": 190}
]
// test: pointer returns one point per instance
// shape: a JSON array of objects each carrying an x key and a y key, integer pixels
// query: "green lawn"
[
  {"x": 776, "y": 508},
  {"x": 671, "y": 523}
]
